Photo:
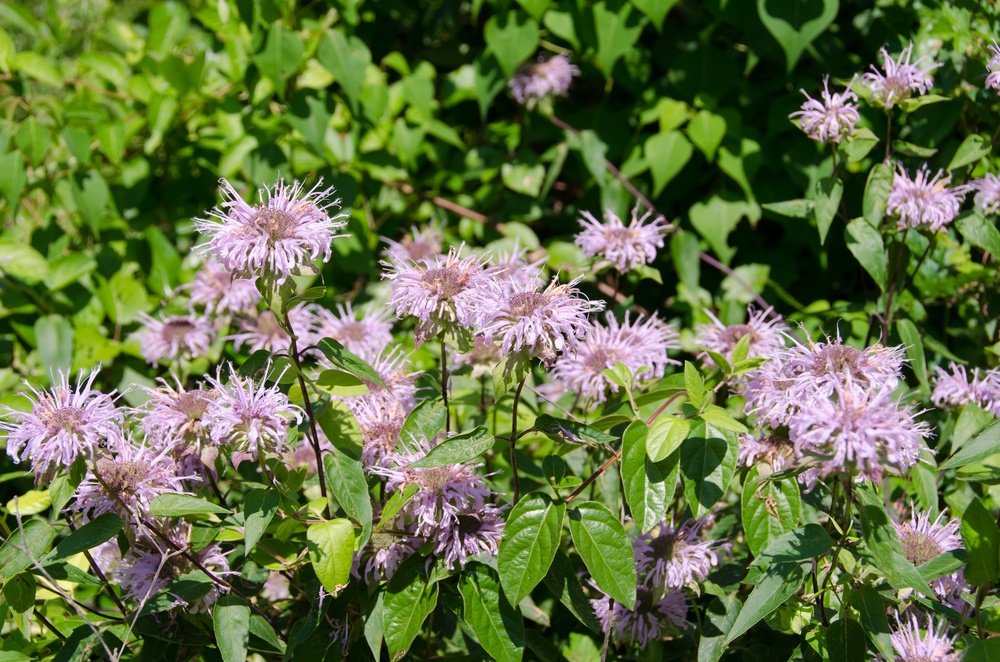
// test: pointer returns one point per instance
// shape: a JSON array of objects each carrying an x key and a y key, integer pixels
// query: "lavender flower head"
[
  {"x": 543, "y": 78},
  {"x": 220, "y": 292},
  {"x": 957, "y": 388},
  {"x": 64, "y": 424},
  {"x": 513, "y": 266},
  {"x": 265, "y": 332},
  {"x": 765, "y": 328},
  {"x": 541, "y": 324},
  {"x": 639, "y": 344},
  {"x": 126, "y": 480},
  {"x": 176, "y": 418},
  {"x": 924, "y": 539},
  {"x": 993, "y": 78},
  {"x": 175, "y": 337},
  {"x": 901, "y": 79},
  {"x": 383, "y": 554},
  {"x": 675, "y": 557},
  {"x": 368, "y": 333},
  {"x": 249, "y": 418},
  {"x": 279, "y": 237},
  {"x": 773, "y": 449},
  {"x": 987, "y": 190},
  {"x": 444, "y": 293},
  {"x": 833, "y": 118},
  {"x": 931, "y": 645},
  {"x": 624, "y": 247},
  {"x": 650, "y": 619},
  {"x": 924, "y": 201},
  {"x": 417, "y": 245}
]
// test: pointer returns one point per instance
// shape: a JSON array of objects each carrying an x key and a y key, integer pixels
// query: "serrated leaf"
[
  {"x": 530, "y": 540},
  {"x": 605, "y": 549},
  {"x": 722, "y": 419},
  {"x": 803, "y": 543},
  {"x": 231, "y": 621},
  {"x": 985, "y": 444},
  {"x": 883, "y": 544},
  {"x": 410, "y": 598},
  {"x": 423, "y": 423},
  {"x": 259, "y": 508},
  {"x": 98, "y": 530},
  {"x": 708, "y": 462},
  {"x": 35, "y": 537},
  {"x": 181, "y": 505},
  {"x": 694, "y": 383},
  {"x": 778, "y": 583},
  {"x": 19, "y": 593},
  {"x": 498, "y": 626},
  {"x": 459, "y": 449},
  {"x": 563, "y": 429},
  {"x": 769, "y": 509},
  {"x": 982, "y": 544},
  {"x": 349, "y": 362},
  {"x": 331, "y": 550},
  {"x": 666, "y": 434}
]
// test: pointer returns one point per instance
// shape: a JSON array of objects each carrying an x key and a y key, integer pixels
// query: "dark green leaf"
[
  {"x": 281, "y": 55},
  {"x": 796, "y": 25},
  {"x": 779, "y": 582},
  {"x": 803, "y": 543},
  {"x": 866, "y": 244},
  {"x": 910, "y": 336},
  {"x": 979, "y": 232},
  {"x": 19, "y": 592},
  {"x": 498, "y": 626},
  {"x": 564, "y": 583},
  {"x": 98, "y": 530},
  {"x": 422, "y": 424},
  {"x": 719, "y": 619},
  {"x": 530, "y": 541},
  {"x": 258, "y": 509},
  {"x": 458, "y": 449},
  {"x": 410, "y": 599},
  {"x": 181, "y": 505},
  {"x": 54, "y": 340},
  {"x": 667, "y": 153},
  {"x": 828, "y": 195},
  {"x": 563, "y": 429},
  {"x": 845, "y": 640},
  {"x": 973, "y": 148},
  {"x": 645, "y": 483},
  {"x": 708, "y": 462},
  {"x": 877, "y": 193},
  {"x": 770, "y": 509},
  {"x": 35, "y": 537},
  {"x": 883, "y": 543},
  {"x": 231, "y": 620},
  {"x": 346, "y": 479},
  {"x": 346, "y": 58},
  {"x": 982, "y": 543},
  {"x": 871, "y": 609},
  {"x": 605, "y": 549},
  {"x": 349, "y": 362},
  {"x": 984, "y": 445}
]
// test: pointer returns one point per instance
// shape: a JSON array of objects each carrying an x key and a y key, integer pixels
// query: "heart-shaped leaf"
[{"x": 796, "y": 24}]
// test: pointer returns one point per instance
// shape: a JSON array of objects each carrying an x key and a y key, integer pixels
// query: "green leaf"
[
  {"x": 54, "y": 340},
  {"x": 331, "y": 550},
  {"x": 667, "y": 153},
  {"x": 92, "y": 196},
  {"x": 35, "y": 536},
  {"x": 719, "y": 619},
  {"x": 913, "y": 103},
  {"x": 778, "y": 583},
  {"x": 860, "y": 144},
  {"x": 706, "y": 131},
  {"x": 616, "y": 33},
  {"x": 979, "y": 232},
  {"x": 911, "y": 337},
  {"x": 801, "y": 208},
  {"x": 37, "y": 66},
  {"x": 883, "y": 544},
  {"x": 982, "y": 543},
  {"x": 499, "y": 627},
  {"x": 259, "y": 627},
  {"x": 182, "y": 505},
  {"x": 339, "y": 356},
  {"x": 828, "y": 195},
  {"x": 13, "y": 176},
  {"x": 458, "y": 449},
  {"x": 19, "y": 592},
  {"x": 167, "y": 23},
  {"x": 346, "y": 479},
  {"x": 341, "y": 384},
  {"x": 347, "y": 58},
  {"x": 708, "y": 462},
  {"x": 647, "y": 485},
  {"x": 795, "y": 25},
  {"x": 98, "y": 530},
  {"x": 564, "y": 583},
  {"x": 258, "y": 509},
  {"x": 22, "y": 261},
  {"x": 410, "y": 599},
  {"x": 280, "y": 57},
  {"x": 803, "y": 543},
  {"x": 984, "y": 445},
  {"x": 530, "y": 541},
  {"x": 396, "y": 503},
  {"x": 871, "y": 609},
  {"x": 523, "y": 178},
  {"x": 716, "y": 219},
  {"x": 563, "y": 429},
  {"x": 770, "y": 509},
  {"x": 425, "y": 421},
  {"x": 983, "y": 650},
  {"x": 666, "y": 434},
  {"x": 722, "y": 419},
  {"x": 605, "y": 549},
  {"x": 33, "y": 140},
  {"x": 509, "y": 372},
  {"x": 593, "y": 151},
  {"x": 866, "y": 244},
  {"x": 877, "y": 191},
  {"x": 310, "y": 115},
  {"x": 943, "y": 565},
  {"x": 973, "y": 148},
  {"x": 845, "y": 640},
  {"x": 512, "y": 38},
  {"x": 31, "y": 502},
  {"x": 231, "y": 620},
  {"x": 694, "y": 383},
  {"x": 656, "y": 10}
]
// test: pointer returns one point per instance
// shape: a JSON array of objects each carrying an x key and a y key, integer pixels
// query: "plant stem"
[
  {"x": 513, "y": 440},
  {"x": 313, "y": 435},
  {"x": 100, "y": 574},
  {"x": 887, "y": 320},
  {"x": 888, "y": 133},
  {"x": 444, "y": 386}
]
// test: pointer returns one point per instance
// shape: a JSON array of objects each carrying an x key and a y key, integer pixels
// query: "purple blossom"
[
  {"x": 64, "y": 423},
  {"x": 987, "y": 190},
  {"x": 176, "y": 417},
  {"x": 765, "y": 328},
  {"x": 924, "y": 202},
  {"x": 380, "y": 422},
  {"x": 933, "y": 644},
  {"x": 774, "y": 449},
  {"x": 639, "y": 344},
  {"x": 543, "y": 78},
  {"x": 473, "y": 533},
  {"x": 675, "y": 557},
  {"x": 540, "y": 324},
  {"x": 175, "y": 337},
  {"x": 651, "y": 619},
  {"x": 126, "y": 479},
  {"x": 513, "y": 267},
  {"x": 924, "y": 539},
  {"x": 383, "y": 554},
  {"x": 958, "y": 389},
  {"x": 367, "y": 334},
  {"x": 901, "y": 78},
  {"x": 265, "y": 332},
  {"x": 416, "y": 246},
  {"x": 249, "y": 418},
  {"x": 276, "y": 587},
  {"x": 993, "y": 78},
  {"x": 220, "y": 292},
  {"x": 279, "y": 237},
  {"x": 624, "y": 247},
  {"x": 444, "y": 293},
  {"x": 831, "y": 120}
]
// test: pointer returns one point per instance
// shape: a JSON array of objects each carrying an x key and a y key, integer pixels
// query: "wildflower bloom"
[
  {"x": 924, "y": 201},
  {"x": 276, "y": 587},
  {"x": 957, "y": 388},
  {"x": 176, "y": 417},
  {"x": 675, "y": 557},
  {"x": 415, "y": 246},
  {"x": 833, "y": 118},
  {"x": 542, "y": 323},
  {"x": 368, "y": 333},
  {"x": 126, "y": 480},
  {"x": 901, "y": 78},
  {"x": 931, "y": 645},
  {"x": 774, "y": 449},
  {"x": 64, "y": 423},
  {"x": 177, "y": 336},
  {"x": 987, "y": 190},
  {"x": 380, "y": 423},
  {"x": 220, "y": 292},
  {"x": 639, "y": 344},
  {"x": 383, "y": 554},
  {"x": 993, "y": 78},
  {"x": 625, "y": 247},
  {"x": 444, "y": 293},
  {"x": 650, "y": 619},
  {"x": 543, "y": 78},
  {"x": 249, "y": 418},
  {"x": 764, "y": 327},
  {"x": 278, "y": 237},
  {"x": 924, "y": 540},
  {"x": 513, "y": 267}
]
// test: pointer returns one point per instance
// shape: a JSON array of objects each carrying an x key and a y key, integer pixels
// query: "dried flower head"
[
  {"x": 625, "y": 247},
  {"x": 64, "y": 424},
  {"x": 649, "y": 621},
  {"x": 543, "y": 78},
  {"x": 773, "y": 449},
  {"x": 924, "y": 201},
  {"x": 541, "y": 324},
  {"x": 833, "y": 118},
  {"x": 218, "y": 291},
  {"x": 276, "y": 238},
  {"x": 175, "y": 337},
  {"x": 987, "y": 190},
  {"x": 901, "y": 79},
  {"x": 933, "y": 644}
]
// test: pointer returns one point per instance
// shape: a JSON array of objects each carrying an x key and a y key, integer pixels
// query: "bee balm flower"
[
  {"x": 900, "y": 80},
  {"x": 831, "y": 120}
]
